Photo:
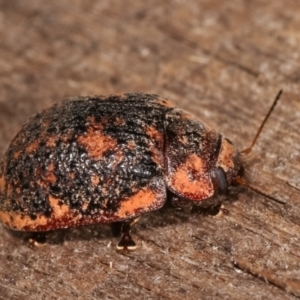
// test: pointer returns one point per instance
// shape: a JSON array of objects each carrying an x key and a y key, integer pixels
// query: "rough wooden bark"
[{"x": 224, "y": 61}]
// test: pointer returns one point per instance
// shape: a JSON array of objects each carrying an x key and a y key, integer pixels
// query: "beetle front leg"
[
  {"x": 126, "y": 242},
  {"x": 177, "y": 202}
]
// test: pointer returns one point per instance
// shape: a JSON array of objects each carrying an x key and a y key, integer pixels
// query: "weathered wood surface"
[{"x": 223, "y": 60}]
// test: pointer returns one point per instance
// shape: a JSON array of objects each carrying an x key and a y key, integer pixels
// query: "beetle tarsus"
[
  {"x": 37, "y": 240},
  {"x": 126, "y": 242}
]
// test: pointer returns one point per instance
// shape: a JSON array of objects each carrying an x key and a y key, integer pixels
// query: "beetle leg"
[
  {"x": 206, "y": 211},
  {"x": 177, "y": 202},
  {"x": 37, "y": 239},
  {"x": 126, "y": 242}
]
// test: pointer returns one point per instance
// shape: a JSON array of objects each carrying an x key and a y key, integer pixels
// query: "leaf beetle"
[{"x": 106, "y": 159}]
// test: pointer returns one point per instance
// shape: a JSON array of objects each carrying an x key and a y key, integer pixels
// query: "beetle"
[{"x": 106, "y": 159}]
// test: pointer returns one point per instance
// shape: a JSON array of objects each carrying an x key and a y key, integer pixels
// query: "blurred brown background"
[{"x": 224, "y": 61}]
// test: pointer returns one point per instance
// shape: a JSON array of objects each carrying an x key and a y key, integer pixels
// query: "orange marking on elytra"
[
  {"x": 71, "y": 175},
  {"x": 155, "y": 135},
  {"x": 58, "y": 210},
  {"x": 16, "y": 154},
  {"x": 95, "y": 180},
  {"x": 157, "y": 155},
  {"x": 164, "y": 102},
  {"x": 84, "y": 206},
  {"x": 91, "y": 123},
  {"x": 143, "y": 199},
  {"x": 96, "y": 143},
  {"x": 50, "y": 177},
  {"x": 32, "y": 146},
  {"x": 156, "y": 144},
  {"x": 51, "y": 167},
  {"x": 51, "y": 142},
  {"x": 2, "y": 183},
  {"x": 19, "y": 221},
  {"x": 131, "y": 144}
]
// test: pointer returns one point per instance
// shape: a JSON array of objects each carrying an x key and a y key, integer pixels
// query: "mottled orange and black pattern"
[{"x": 102, "y": 159}]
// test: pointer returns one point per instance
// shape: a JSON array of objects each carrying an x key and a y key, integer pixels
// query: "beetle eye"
[{"x": 222, "y": 180}]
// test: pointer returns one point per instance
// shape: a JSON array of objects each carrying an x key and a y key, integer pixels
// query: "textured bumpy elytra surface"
[{"x": 105, "y": 159}]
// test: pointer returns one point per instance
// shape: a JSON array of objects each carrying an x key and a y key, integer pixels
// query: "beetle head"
[
  {"x": 227, "y": 167},
  {"x": 229, "y": 170}
]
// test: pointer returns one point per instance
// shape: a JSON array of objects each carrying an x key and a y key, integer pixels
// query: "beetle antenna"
[
  {"x": 241, "y": 181},
  {"x": 249, "y": 149}
]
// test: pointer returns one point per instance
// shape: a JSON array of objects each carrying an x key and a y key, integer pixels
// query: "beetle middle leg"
[
  {"x": 126, "y": 242},
  {"x": 37, "y": 239},
  {"x": 211, "y": 206}
]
